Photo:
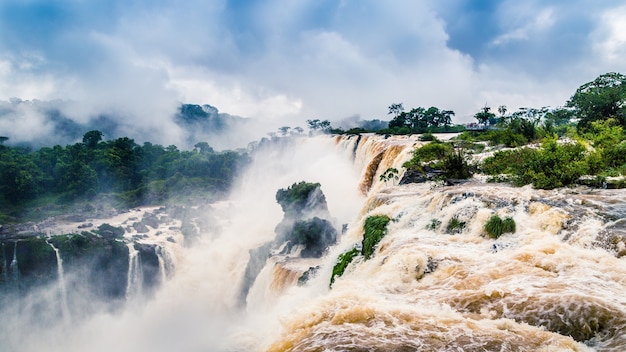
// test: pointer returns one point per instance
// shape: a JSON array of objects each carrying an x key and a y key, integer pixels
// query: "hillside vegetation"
[{"x": 119, "y": 169}]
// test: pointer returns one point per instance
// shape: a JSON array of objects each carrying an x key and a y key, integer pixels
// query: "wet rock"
[{"x": 140, "y": 227}]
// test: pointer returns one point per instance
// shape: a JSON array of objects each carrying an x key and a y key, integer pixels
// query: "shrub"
[
  {"x": 497, "y": 226},
  {"x": 455, "y": 226},
  {"x": 553, "y": 165},
  {"x": 433, "y": 225},
  {"x": 343, "y": 260},
  {"x": 429, "y": 152},
  {"x": 375, "y": 228},
  {"x": 427, "y": 137},
  {"x": 455, "y": 165}
]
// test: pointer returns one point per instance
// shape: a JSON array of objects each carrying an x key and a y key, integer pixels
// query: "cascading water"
[
  {"x": 134, "y": 277},
  {"x": 61, "y": 281},
  {"x": 555, "y": 284},
  {"x": 164, "y": 262},
  {"x": 5, "y": 266},
  {"x": 13, "y": 267}
]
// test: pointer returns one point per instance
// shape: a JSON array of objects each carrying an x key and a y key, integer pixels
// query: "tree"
[
  {"x": 600, "y": 99},
  {"x": 502, "y": 110},
  {"x": 92, "y": 138},
  {"x": 315, "y": 125},
  {"x": 284, "y": 130},
  {"x": 484, "y": 115},
  {"x": 203, "y": 148},
  {"x": 395, "y": 109}
]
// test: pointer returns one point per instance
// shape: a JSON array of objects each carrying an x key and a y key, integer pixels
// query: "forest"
[{"x": 120, "y": 170}]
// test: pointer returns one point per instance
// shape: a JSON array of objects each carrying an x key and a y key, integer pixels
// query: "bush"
[
  {"x": 456, "y": 166},
  {"x": 497, "y": 226},
  {"x": 429, "y": 152},
  {"x": 433, "y": 225},
  {"x": 428, "y": 137},
  {"x": 375, "y": 228},
  {"x": 455, "y": 226},
  {"x": 554, "y": 165},
  {"x": 343, "y": 260}
]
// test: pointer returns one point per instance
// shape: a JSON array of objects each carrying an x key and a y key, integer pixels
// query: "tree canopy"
[{"x": 600, "y": 99}]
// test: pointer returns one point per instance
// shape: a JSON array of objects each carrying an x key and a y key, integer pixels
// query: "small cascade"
[
  {"x": 15, "y": 270},
  {"x": 134, "y": 277},
  {"x": 5, "y": 266},
  {"x": 62, "y": 287},
  {"x": 164, "y": 262},
  {"x": 375, "y": 154}
]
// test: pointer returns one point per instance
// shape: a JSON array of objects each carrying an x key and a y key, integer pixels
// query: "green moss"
[
  {"x": 343, "y": 260},
  {"x": 497, "y": 226},
  {"x": 375, "y": 228}
]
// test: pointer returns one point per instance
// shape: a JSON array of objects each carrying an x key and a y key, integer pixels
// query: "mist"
[{"x": 196, "y": 309}]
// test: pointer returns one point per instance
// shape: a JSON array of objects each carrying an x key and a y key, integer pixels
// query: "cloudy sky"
[{"x": 292, "y": 60}]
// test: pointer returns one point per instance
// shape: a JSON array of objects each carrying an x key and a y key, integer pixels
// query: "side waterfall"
[
  {"x": 13, "y": 267},
  {"x": 134, "y": 277},
  {"x": 61, "y": 281}
]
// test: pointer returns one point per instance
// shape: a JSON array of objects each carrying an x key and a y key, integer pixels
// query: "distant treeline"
[{"x": 133, "y": 174}]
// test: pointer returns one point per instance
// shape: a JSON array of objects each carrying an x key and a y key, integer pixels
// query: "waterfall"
[
  {"x": 164, "y": 262},
  {"x": 5, "y": 266},
  {"x": 436, "y": 281},
  {"x": 61, "y": 281},
  {"x": 15, "y": 270},
  {"x": 134, "y": 277}
]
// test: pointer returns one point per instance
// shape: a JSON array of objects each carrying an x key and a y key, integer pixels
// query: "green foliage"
[
  {"x": 315, "y": 235},
  {"x": 456, "y": 166},
  {"x": 455, "y": 226},
  {"x": 343, "y": 260},
  {"x": 484, "y": 115},
  {"x": 298, "y": 196},
  {"x": 427, "y": 137},
  {"x": 433, "y": 224},
  {"x": 429, "y": 152},
  {"x": 418, "y": 120},
  {"x": 375, "y": 228},
  {"x": 389, "y": 175},
  {"x": 94, "y": 167},
  {"x": 600, "y": 99},
  {"x": 553, "y": 165},
  {"x": 437, "y": 155},
  {"x": 496, "y": 226}
]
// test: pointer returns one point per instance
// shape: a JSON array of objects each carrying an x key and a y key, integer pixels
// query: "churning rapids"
[{"x": 557, "y": 284}]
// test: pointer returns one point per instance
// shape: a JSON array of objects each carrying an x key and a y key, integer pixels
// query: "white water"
[
  {"x": 61, "y": 280},
  {"x": 423, "y": 289},
  {"x": 134, "y": 276},
  {"x": 15, "y": 271}
]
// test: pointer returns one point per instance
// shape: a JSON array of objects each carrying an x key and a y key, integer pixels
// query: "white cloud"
[
  {"x": 528, "y": 28},
  {"x": 610, "y": 36}
]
